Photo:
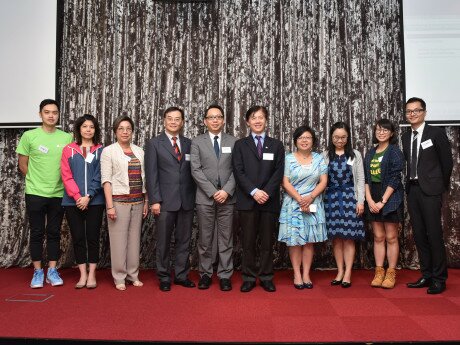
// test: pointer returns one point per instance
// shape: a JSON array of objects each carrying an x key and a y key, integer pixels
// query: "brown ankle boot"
[
  {"x": 390, "y": 279},
  {"x": 379, "y": 276}
]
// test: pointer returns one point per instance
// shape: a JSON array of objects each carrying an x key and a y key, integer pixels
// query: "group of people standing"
[{"x": 327, "y": 195}]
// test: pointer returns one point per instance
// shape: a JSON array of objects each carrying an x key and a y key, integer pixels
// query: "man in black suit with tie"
[
  {"x": 171, "y": 191},
  {"x": 258, "y": 167},
  {"x": 429, "y": 166}
]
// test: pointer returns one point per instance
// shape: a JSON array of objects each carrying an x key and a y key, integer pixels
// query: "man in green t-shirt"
[{"x": 40, "y": 152}]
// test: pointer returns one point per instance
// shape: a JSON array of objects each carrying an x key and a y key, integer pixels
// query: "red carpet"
[{"x": 324, "y": 314}]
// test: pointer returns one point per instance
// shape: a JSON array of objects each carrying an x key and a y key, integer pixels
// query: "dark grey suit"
[
  {"x": 170, "y": 183},
  {"x": 212, "y": 173}
]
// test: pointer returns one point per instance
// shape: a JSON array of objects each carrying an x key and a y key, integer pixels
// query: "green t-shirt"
[
  {"x": 44, "y": 169},
  {"x": 375, "y": 166}
]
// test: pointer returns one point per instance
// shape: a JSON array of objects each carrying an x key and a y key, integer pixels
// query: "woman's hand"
[
  {"x": 111, "y": 213},
  {"x": 359, "y": 210},
  {"x": 82, "y": 203},
  {"x": 145, "y": 210}
]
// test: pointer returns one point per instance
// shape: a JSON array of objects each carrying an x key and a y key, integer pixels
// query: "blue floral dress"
[
  {"x": 340, "y": 202},
  {"x": 296, "y": 227}
]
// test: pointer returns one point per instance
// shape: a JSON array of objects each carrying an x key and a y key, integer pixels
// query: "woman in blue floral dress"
[
  {"x": 302, "y": 217},
  {"x": 344, "y": 201}
]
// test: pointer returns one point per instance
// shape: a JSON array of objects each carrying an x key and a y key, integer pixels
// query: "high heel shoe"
[
  {"x": 299, "y": 286},
  {"x": 346, "y": 285},
  {"x": 308, "y": 285},
  {"x": 336, "y": 282}
]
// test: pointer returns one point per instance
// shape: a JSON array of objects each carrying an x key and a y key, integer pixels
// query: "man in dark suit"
[
  {"x": 258, "y": 166},
  {"x": 429, "y": 166},
  {"x": 211, "y": 161},
  {"x": 171, "y": 191}
]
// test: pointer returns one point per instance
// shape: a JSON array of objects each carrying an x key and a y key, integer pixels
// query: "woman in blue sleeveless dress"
[
  {"x": 344, "y": 202},
  {"x": 302, "y": 218}
]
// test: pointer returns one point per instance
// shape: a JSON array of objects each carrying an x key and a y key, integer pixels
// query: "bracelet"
[{"x": 109, "y": 208}]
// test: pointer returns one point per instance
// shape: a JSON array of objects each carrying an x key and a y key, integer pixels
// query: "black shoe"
[
  {"x": 225, "y": 284},
  {"x": 185, "y": 283},
  {"x": 165, "y": 286},
  {"x": 436, "y": 288},
  {"x": 268, "y": 285},
  {"x": 346, "y": 285},
  {"x": 308, "y": 285},
  {"x": 299, "y": 286},
  {"x": 336, "y": 282},
  {"x": 247, "y": 286},
  {"x": 421, "y": 283},
  {"x": 205, "y": 282}
]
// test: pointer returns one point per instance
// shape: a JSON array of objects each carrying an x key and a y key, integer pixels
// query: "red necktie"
[{"x": 176, "y": 149}]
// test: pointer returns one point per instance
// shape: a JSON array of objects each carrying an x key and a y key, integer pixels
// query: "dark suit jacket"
[
  {"x": 391, "y": 168},
  {"x": 251, "y": 172},
  {"x": 434, "y": 165},
  {"x": 169, "y": 181}
]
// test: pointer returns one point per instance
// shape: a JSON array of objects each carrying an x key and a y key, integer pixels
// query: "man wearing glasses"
[
  {"x": 211, "y": 161},
  {"x": 429, "y": 166},
  {"x": 171, "y": 191}
]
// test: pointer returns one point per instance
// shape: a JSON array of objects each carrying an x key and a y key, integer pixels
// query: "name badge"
[
  {"x": 426, "y": 144},
  {"x": 268, "y": 156},
  {"x": 89, "y": 157},
  {"x": 313, "y": 208},
  {"x": 350, "y": 161},
  {"x": 127, "y": 158},
  {"x": 380, "y": 158},
  {"x": 187, "y": 157},
  {"x": 226, "y": 149},
  {"x": 43, "y": 149}
]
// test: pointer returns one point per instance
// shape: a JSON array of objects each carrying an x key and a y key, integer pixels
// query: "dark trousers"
[
  {"x": 257, "y": 224},
  {"x": 45, "y": 214},
  {"x": 85, "y": 228},
  {"x": 178, "y": 223},
  {"x": 425, "y": 217}
]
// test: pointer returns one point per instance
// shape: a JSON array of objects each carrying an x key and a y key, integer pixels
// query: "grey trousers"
[
  {"x": 208, "y": 217},
  {"x": 125, "y": 240}
]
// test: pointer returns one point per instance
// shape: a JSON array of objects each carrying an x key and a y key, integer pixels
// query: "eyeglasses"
[
  {"x": 305, "y": 138},
  {"x": 382, "y": 130},
  {"x": 414, "y": 112},
  {"x": 173, "y": 119},
  {"x": 336, "y": 138},
  {"x": 125, "y": 129},
  {"x": 214, "y": 117}
]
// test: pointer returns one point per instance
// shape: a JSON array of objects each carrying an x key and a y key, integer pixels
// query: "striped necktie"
[{"x": 176, "y": 148}]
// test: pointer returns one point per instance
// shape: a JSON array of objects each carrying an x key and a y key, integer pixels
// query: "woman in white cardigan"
[
  {"x": 122, "y": 176},
  {"x": 344, "y": 202}
]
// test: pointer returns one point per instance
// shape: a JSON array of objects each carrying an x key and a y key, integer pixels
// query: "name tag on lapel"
[
  {"x": 226, "y": 149},
  {"x": 187, "y": 157},
  {"x": 350, "y": 161},
  {"x": 89, "y": 157},
  {"x": 268, "y": 156},
  {"x": 426, "y": 144},
  {"x": 380, "y": 158}
]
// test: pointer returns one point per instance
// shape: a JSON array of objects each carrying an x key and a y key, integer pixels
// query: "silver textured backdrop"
[{"x": 309, "y": 62}]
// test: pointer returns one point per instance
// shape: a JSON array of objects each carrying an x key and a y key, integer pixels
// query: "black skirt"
[{"x": 396, "y": 216}]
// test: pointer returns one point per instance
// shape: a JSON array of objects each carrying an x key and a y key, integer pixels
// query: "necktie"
[
  {"x": 259, "y": 146},
  {"x": 176, "y": 149},
  {"x": 413, "y": 159},
  {"x": 216, "y": 146}
]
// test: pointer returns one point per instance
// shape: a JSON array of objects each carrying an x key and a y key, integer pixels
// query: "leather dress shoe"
[
  {"x": 436, "y": 288},
  {"x": 225, "y": 284},
  {"x": 268, "y": 285},
  {"x": 336, "y": 282},
  {"x": 346, "y": 285},
  {"x": 165, "y": 286},
  {"x": 185, "y": 283},
  {"x": 421, "y": 283},
  {"x": 247, "y": 286},
  {"x": 205, "y": 282}
]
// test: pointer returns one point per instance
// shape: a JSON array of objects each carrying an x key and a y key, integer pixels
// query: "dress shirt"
[
  {"x": 219, "y": 137},
  {"x": 419, "y": 140},
  {"x": 172, "y": 142}
]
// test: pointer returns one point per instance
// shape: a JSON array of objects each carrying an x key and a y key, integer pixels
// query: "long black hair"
[{"x": 348, "y": 148}]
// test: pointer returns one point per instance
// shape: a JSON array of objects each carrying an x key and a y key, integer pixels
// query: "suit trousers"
[
  {"x": 45, "y": 215},
  {"x": 425, "y": 217},
  {"x": 208, "y": 217},
  {"x": 257, "y": 224},
  {"x": 178, "y": 223},
  {"x": 125, "y": 239},
  {"x": 85, "y": 228}
]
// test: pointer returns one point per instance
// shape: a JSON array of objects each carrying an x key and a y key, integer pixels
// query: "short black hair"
[
  {"x": 77, "y": 126},
  {"x": 171, "y": 109},
  {"x": 416, "y": 99},
  {"x": 255, "y": 109},
  {"x": 213, "y": 106},
  {"x": 331, "y": 147},
  {"x": 387, "y": 124},
  {"x": 301, "y": 130},
  {"x": 48, "y": 101},
  {"x": 119, "y": 120}
]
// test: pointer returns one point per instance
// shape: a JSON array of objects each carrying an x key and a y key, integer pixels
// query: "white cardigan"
[{"x": 114, "y": 168}]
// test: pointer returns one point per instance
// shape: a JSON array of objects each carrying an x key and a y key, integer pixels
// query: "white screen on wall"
[
  {"x": 27, "y": 59},
  {"x": 432, "y": 56}
]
